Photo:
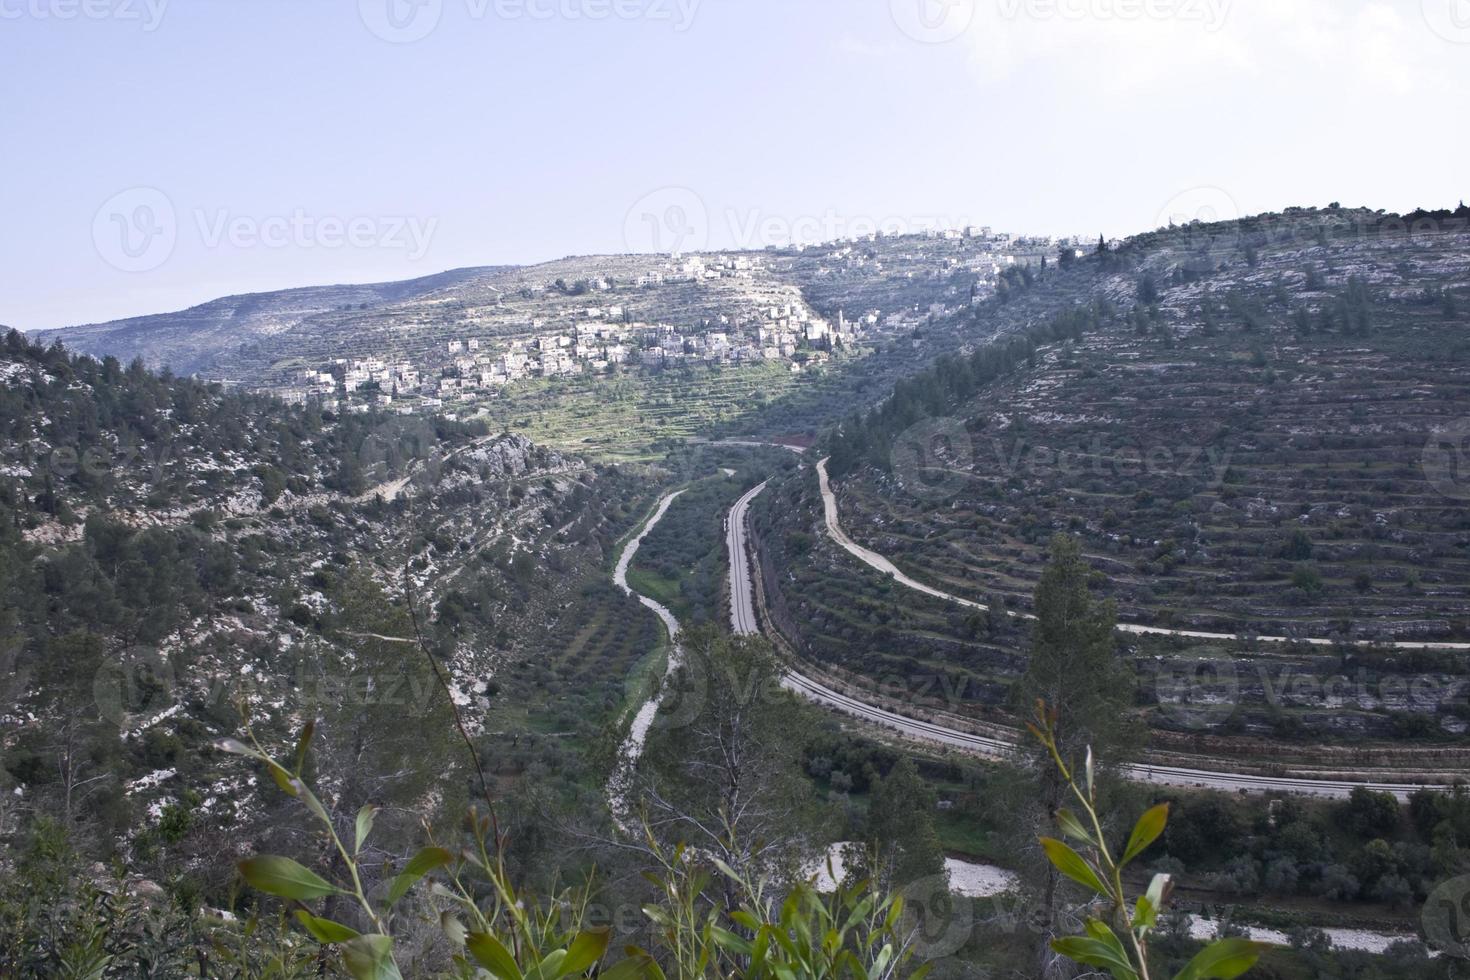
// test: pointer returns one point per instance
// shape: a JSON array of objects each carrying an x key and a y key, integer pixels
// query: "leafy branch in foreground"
[
  {"x": 856, "y": 931},
  {"x": 1101, "y": 873},
  {"x": 511, "y": 937}
]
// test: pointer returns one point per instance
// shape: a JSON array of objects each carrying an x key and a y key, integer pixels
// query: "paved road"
[
  {"x": 745, "y": 622},
  {"x": 882, "y": 564},
  {"x": 742, "y": 593}
]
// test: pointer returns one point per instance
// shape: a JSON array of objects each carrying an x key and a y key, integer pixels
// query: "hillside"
[
  {"x": 182, "y": 561},
  {"x": 222, "y": 339},
  {"x": 256, "y": 338},
  {"x": 688, "y": 345},
  {"x": 1241, "y": 424},
  {"x": 176, "y": 558}
]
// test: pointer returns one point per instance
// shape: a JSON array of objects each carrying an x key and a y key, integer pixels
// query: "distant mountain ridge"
[
  {"x": 259, "y": 338},
  {"x": 189, "y": 341}
]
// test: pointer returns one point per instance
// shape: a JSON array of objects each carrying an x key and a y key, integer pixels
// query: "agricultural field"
[
  {"x": 634, "y": 416},
  {"x": 683, "y": 563}
]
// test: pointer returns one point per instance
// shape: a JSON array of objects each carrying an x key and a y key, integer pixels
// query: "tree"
[
  {"x": 381, "y": 708},
  {"x": 1074, "y": 665},
  {"x": 721, "y": 769},
  {"x": 1370, "y": 814},
  {"x": 1074, "y": 668},
  {"x": 901, "y": 830}
]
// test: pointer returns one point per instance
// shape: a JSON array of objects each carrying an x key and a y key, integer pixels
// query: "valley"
[{"x": 1239, "y": 427}]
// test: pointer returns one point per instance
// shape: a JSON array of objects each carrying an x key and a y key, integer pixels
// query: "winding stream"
[{"x": 632, "y": 747}]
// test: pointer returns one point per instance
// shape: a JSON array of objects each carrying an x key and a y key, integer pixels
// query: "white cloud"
[{"x": 1127, "y": 47}]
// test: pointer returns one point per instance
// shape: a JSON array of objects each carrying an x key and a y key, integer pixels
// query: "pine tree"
[
  {"x": 901, "y": 827},
  {"x": 1075, "y": 669},
  {"x": 1074, "y": 666}
]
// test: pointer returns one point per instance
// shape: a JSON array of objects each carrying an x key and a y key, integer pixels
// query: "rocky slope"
[
  {"x": 178, "y": 561},
  {"x": 1251, "y": 427}
]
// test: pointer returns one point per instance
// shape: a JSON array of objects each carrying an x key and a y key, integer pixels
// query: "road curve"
[
  {"x": 632, "y": 748},
  {"x": 882, "y": 564},
  {"x": 745, "y": 622},
  {"x": 742, "y": 592}
]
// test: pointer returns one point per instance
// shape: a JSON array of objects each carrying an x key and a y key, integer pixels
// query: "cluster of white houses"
[
  {"x": 467, "y": 369},
  {"x": 601, "y": 338}
]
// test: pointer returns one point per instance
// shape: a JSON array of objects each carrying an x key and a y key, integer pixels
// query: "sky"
[{"x": 161, "y": 153}]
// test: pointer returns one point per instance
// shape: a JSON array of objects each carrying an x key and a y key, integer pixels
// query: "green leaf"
[
  {"x": 235, "y": 747},
  {"x": 1222, "y": 960},
  {"x": 1150, "y": 904},
  {"x": 1073, "y": 828},
  {"x": 724, "y": 868},
  {"x": 1093, "y": 952},
  {"x": 550, "y": 967},
  {"x": 325, "y": 930},
  {"x": 659, "y": 916},
  {"x": 637, "y": 966},
  {"x": 1071, "y": 864},
  {"x": 452, "y": 927},
  {"x": 282, "y": 777},
  {"x": 421, "y": 864},
  {"x": 365, "y": 818},
  {"x": 1145, "y": 914},
  {"x": 305, "y": 795},
  {"x": 302, "y": 744},
  {"x": 490, "y": 953},
  {"x": 732, "y": 943},
  {"x": 585, "y": 950},
  {"x": 880, "y": 963},
  {"x": 370, "y": 958},
  {"x": 284, "y": 877},
  {"x": 1146, "y": 831},
  {"x": 1103, "y": 933}
]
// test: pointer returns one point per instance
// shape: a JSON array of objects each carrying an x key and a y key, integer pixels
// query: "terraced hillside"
[
  {"x": 902, "y": 274},
  {"x": 1247, "y": 428},
  {"x": 255, "y": 338},
  {"x": 631, "y": 417},
  {"x": 901, "y": 297}
]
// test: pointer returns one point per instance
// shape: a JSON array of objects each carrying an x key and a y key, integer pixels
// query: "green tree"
[
  {"x": 901, "y": 828},
  {"x": 1074, "y": 664},
  {"x": 381, "y": 708},
  {"x": 1075, "y": 669},
  {"x": 722, "y": 766}
]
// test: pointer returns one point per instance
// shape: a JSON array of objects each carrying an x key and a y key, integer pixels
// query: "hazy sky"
[{"x": 159, "y": 153}]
